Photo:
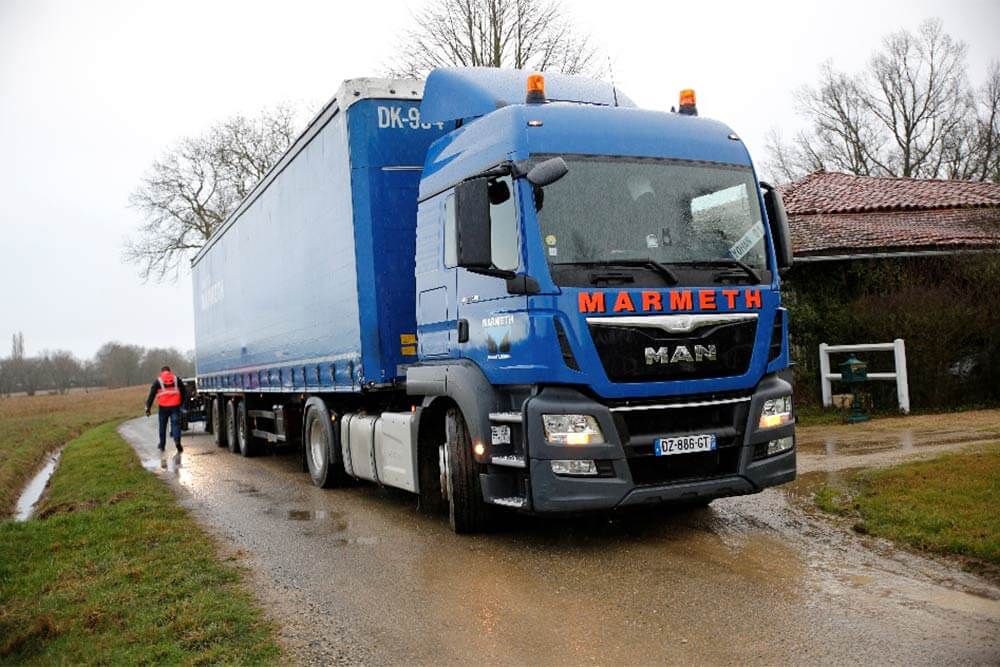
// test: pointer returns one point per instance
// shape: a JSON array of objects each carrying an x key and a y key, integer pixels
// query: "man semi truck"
[{"x": 495, "y": 289}]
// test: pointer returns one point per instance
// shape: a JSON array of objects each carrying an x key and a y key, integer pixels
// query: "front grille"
[
  {"x": 774, "y": 349},
  {"x": 623, "y": 351},
  {"x": 685, "y": 467},
  {"x": 639, "y": 428},
  {"x": 567, "y": 352}
]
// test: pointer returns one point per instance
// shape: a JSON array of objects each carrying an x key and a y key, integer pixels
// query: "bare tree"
[
  {"x": 190, "y": 190},
  {"x": 524, "y": 34},
  {"x": 62, "y": 370},
  {"x": 17, "y": 374},
  {"x": 156, "y": 358},
  {"x": 911, "y": 112},
  {"x": 118, "y": 364}
]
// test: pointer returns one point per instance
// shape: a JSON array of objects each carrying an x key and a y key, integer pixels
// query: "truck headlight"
[
  {"x": 572, "y": 430},
  {"x": 776, "y": 412}
]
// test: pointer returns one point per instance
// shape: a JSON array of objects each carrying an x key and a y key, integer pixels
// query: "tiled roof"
[
  {"x": 842, "y": 214},
  {"x": 830, "y": 192},
  {"x": 846, "y": 233}
]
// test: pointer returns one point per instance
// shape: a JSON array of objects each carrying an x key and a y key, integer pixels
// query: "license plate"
[{"x": 684, "y": 444}]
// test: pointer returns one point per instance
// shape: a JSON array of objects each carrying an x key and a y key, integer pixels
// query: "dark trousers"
[{"x": 174, "y": 415}]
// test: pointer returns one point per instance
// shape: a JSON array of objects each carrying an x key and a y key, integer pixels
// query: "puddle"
[
  {"x": 967, "y": 602},
  {"x": 960, "y": 601},
  {"x": 330, "y": 524},
  {"x": 905, "y": 440},
  {"x": 309, "y": 515},
  {"x": 170, "y": 464},
  {"x": 354, "y": 541},
  {"x": 33, "y": 490}
]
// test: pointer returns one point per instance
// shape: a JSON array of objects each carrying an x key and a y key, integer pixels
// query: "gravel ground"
[{"x": 356, "y": 575}]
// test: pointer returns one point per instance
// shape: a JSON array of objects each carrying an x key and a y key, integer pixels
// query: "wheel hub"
[{"x": 316, "y": 442}]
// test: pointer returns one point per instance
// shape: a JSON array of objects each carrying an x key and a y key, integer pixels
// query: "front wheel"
[{"x": 467, "y": 511}]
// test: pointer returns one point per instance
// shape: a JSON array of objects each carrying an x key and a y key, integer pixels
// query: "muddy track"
[{"x": 358, "y": 576}]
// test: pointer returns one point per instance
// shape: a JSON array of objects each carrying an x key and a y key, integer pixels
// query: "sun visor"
[{"x": 452, "y": 93}]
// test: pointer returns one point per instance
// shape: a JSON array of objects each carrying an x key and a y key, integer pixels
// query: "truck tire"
[
  {"x": 219, "y": 430},
  {"x": 467, "y": 511},
  {"x": 232, "y": 436},
  {"x": 249, "y": 445},
  {"x": 322, "y": 446}
]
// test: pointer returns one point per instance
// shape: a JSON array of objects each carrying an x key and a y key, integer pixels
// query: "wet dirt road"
[{"x": 357, "y": 575}]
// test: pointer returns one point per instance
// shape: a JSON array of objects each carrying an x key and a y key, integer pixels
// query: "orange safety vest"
[{"x": 168, "y": 395}]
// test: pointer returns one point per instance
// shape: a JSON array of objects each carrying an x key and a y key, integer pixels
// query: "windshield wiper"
[
  {"x": 734, "y": 263},
  {"x": 652, "y": 264}
]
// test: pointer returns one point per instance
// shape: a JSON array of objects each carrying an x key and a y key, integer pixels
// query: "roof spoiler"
[{"x": 456, "y": 93}]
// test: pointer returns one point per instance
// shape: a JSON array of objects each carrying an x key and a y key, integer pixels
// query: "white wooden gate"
[{"x": 899, "y": 355}]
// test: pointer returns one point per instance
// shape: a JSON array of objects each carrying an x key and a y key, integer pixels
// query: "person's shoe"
[{"x": 179, "y": 448}]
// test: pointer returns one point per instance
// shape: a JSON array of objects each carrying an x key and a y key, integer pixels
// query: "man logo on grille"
[{"x": 681, "y": 353}]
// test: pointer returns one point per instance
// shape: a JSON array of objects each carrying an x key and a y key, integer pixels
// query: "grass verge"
[
  {"x": 115, "y": 572},
  {"x": 945, "y": 505},
  {"x": 33, "y": 426}
]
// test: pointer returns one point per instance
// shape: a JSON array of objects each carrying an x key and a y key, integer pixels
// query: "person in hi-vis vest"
[{"x": 168, "y": 391}]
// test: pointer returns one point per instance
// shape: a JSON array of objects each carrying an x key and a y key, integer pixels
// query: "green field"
[
  {"x": 113, "y": 571},
  {"x": 33, "y": 426},
  {"x": 947, "y": 505}
]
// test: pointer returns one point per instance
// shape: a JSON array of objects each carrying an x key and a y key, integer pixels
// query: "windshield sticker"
[
  {"x": 651, "y": 241},
  {"x": 550, "y": 240},
  {"x": 553, "y": 252},
  {"x": 747, "y": 241}
]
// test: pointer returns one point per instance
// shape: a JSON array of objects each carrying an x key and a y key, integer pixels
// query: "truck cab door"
[{"x": 490, "y": 319}]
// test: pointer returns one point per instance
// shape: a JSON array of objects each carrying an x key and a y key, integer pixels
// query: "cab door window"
[{"x": 505, "y": 251}]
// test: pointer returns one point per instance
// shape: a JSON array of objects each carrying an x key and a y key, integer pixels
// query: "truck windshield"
[{"x": 662, "y": 217}]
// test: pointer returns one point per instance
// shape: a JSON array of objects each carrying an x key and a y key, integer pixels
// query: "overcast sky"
[{"x": 92, "y": 92}]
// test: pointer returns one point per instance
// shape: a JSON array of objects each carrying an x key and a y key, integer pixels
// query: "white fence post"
[
  {"x": 898, "y": 349},
  {"x": 902, "y": 387},
  {"x": 824, "y": 371}
]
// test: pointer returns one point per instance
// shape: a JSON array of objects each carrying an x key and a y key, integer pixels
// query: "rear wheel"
[
  {"x": 467, "y": 511},
  {"x": 219, "y": 430},
  {"x": 232, "y": 436},
  {"x": 248, "y": 444},
  {"x": 322, "y": 446}
]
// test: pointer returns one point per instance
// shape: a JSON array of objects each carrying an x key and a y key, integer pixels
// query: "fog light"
[
  {"x": 780, "y": 445},
  {"x": 572, "y": 430},
  {"x": 575, "y": 467}
]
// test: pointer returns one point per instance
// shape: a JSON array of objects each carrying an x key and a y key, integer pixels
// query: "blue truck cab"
[{"x": 551, "y": 301}]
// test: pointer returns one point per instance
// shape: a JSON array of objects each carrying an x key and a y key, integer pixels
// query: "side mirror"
[
  {"x": 547, "y": 172},
  {"x": 472, "y": 225},
  {"x": 777, "y": 218}
]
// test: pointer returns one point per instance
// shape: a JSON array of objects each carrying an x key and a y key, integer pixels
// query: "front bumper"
[{"x": 631, "y": 475}]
